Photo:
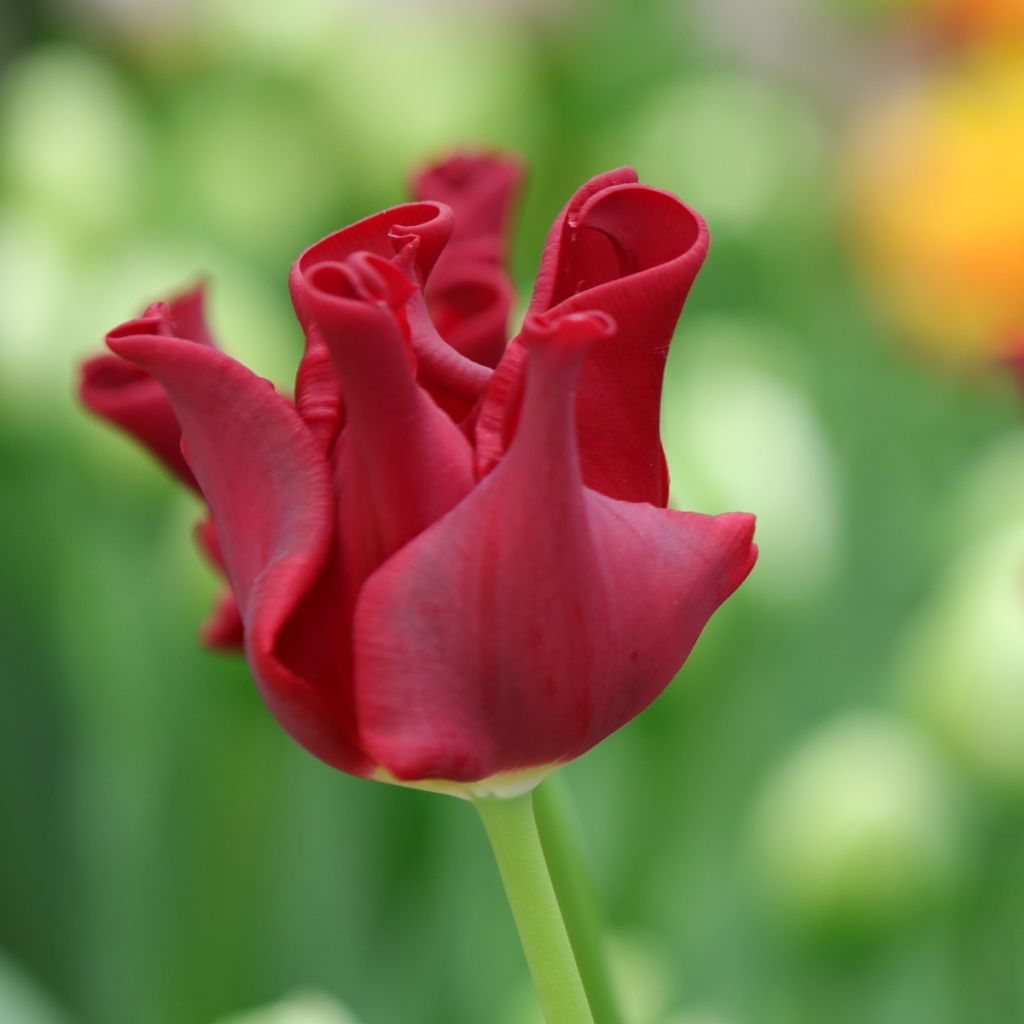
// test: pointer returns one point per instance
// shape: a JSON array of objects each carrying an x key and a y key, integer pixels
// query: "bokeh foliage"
[{"x": 821, "y": 820}]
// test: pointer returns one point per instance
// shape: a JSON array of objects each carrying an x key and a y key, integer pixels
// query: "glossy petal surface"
[
  {"x": 272, "y": 501},
  {"x": 402, "y": 463},
  {"x": 470, "y": 294},
  {"x": 448, "y": 558},
  {"x": 481, "y": 188},
  {"x": 427, "y": 226},
  {"x": 538, "y": 616},
  {"x": 632, "y": 252},
  {"x": 129, "y": 398}
]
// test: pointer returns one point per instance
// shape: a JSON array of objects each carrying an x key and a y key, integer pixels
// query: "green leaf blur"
[{"x": 822, "y": 818}]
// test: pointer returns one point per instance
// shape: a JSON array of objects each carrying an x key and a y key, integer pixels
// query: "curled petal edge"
[{"x": 271, "y": 496}]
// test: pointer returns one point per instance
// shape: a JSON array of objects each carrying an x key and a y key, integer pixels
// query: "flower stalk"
[
  {"x": 512, "y": 830},
  {"x": 559, "y": 830}
]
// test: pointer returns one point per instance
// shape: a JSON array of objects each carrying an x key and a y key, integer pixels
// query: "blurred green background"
[{"x": 822, "y": 819}]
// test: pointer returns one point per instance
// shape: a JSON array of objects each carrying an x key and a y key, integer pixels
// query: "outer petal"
[
  {"x": 470, "y": 303},
  {"x": 415, "y": 234},
  {"x": 186, "y": 316},
  {"x": 440, "y": 367},
  {"x": 382, "y": 235},
  {"x": 223, "y": 628},
  {"x": 550, "y": 273},
  {"x": 128, "y": 397},
  {"x": 470, "y": 295},
  {"x": 271, "y": 498},
  {"x": 481, "y": 188},
  {"x": 538, "y": 616},
  {"x": 124, "y": 395},
  {"x": 632, "y": 252},
  {"x": 403, "y": 463}
]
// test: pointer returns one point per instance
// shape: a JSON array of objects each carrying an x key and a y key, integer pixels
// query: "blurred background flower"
[
  {"x": 300, "y": 1008},
  {"x": 936, "y": 177},
  {"x": 969, "y": 19},
  {"x": 822, "y": 820}
]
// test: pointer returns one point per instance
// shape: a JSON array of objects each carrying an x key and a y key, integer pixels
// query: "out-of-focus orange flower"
[
  {"x": 936, "y": 182},
  {"x": 972, "y": 19}
]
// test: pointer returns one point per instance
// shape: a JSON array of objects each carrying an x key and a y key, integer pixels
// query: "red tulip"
[{"x": 432, "y": 596}]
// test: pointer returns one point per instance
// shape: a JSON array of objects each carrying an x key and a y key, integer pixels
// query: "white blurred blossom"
[
  {"x": 299, "y": 1008},
  {"x": 857, "y": 828},
  {"x": 739, "y": 436},
  {"x": 72, "y": 142}
]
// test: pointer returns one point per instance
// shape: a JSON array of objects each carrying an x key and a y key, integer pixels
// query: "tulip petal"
[
  {"x": 186, "y": 316},
  {"x": 402, "y": 462},
  {"x": 632, "y": 252},
  {"x": 481, "y": 189},
  {"x": 223, "y": 628},
  {"x": 428, "y": 225},
  {"x": 470, "y": 303},
  {"x": 382, "y": 235},
  {"x": 440, "y": 367},
  {"x": 271, "y": 498},
  {"x": 128, "y": 397},
  {"x": 553, "y": 258},
  {"x": 538, "y": 616},
  {"x": 469, "y": 294}
]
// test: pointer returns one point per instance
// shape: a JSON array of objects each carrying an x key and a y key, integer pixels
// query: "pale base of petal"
[{"x": 503, "y": 785}]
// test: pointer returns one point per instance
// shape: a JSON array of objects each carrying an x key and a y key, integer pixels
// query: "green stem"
[
  {"x": 512, "y": 830},
  {"x": 570, "y": 875}
]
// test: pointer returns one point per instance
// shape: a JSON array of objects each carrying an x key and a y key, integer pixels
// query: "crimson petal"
[
  {"x": 632, "y": 252},
  {"x": 129, "y": 398},
  {"x": 223, "y": 628},
  {"x": 481, "y": 189},
  {"x": 538, "y": 616},
  {"x": 402, "y": 462},
  {"x": 470, "y": 295},
  {"x": 428, "y": 225},
  {"x": 271, "y": 498},
  {"x": 470, "y": 303}
]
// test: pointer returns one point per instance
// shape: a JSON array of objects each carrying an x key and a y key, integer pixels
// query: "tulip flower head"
[{"x": 448, "y": 557}]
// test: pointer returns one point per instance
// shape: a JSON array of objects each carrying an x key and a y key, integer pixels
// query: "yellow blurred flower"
[{"x": 936, "y": 181}]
